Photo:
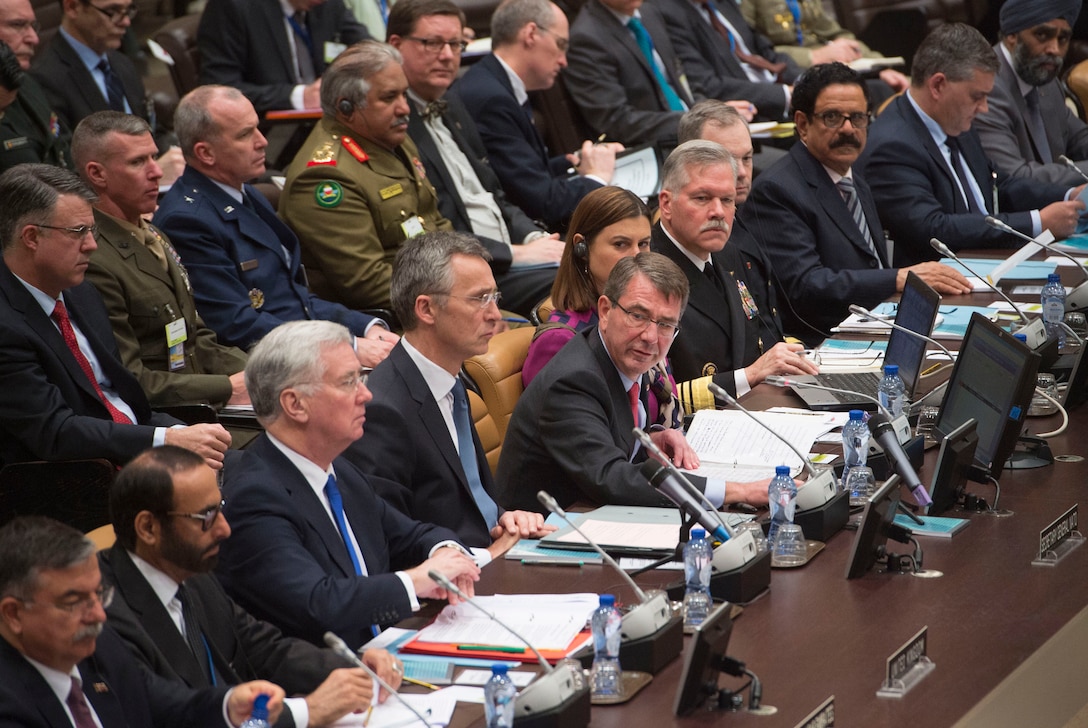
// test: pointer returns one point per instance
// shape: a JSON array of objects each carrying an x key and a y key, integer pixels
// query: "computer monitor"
[
  {"x": 702, "y": 666},
  {"x": 954, "y": 461},
  {"x": 873, "y": 529},
  {"x": 917, "y": 311},
  {"x": 992, "y": 382}
]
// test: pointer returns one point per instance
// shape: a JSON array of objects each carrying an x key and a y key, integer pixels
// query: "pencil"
[{"x": 420, "y": 683}]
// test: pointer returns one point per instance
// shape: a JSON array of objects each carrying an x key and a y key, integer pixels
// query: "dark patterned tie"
[
  {"x": 956, "y": 158},
  {"x": 1038, "y": 128},
  {"x": 77, "y": 703},
  {"x": 115, "y": 92},
  {"x": 194, "y": 635},
  {"x": 850, "y": 195}
]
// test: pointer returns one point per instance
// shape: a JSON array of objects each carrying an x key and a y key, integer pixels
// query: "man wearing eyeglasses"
[
  {"x": 571, "y": 431},
  {"x": 64, "y": 393},
  {"x": 929, "y": 174},
  {"x": 816, "y": 219},
  {"x": 421, "y": 443},
  {"x": 177, "y": 620},
  {"x": 63, "y": 666}
]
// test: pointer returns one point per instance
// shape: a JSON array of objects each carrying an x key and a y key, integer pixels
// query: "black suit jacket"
[
  {"x": 713, "y": 68},
  {"x": 131, "y": 696},
  {"x": 286, "y": 561},
  {"x": 715, "y": 334},
  {"x": 821, "y": 260},
  {"x": 748, "y": 263},
  {"x": 49, "y": 409},
  {"x": 919, "y": 199},
  {"x": 535, "y": 181},
  {"x": 71, "y": 89},
  {"x": 571, "y": 434},
  {"x": 409, "y": 449},
  {"x": 613, "y": 84},
  {"x": 243, "y": 43}
]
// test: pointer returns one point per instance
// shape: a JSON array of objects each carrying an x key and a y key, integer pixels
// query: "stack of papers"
[{"x": 951, "y": 321}]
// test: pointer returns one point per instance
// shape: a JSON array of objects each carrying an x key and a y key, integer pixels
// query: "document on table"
[
  {"x": 436, "y": 707},
  {"x": 547, "y": 621}
]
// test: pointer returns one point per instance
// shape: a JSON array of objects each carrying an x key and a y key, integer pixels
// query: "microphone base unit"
[
  {"x": 821, "y": 523},
  {"x": 646, "y": 654},
  {"x": 552, "y": 701},
  {"x": 817, "y": 490},
  {"x": 1077, "y": 300}
]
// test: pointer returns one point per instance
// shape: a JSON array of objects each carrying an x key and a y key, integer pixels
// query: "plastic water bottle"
[
  {"x": 782, "y": 498},
  {"x": 258, "y": 718},
  {"x": 855, "y": 441},
  {"x": 892, "y": 392},
  {"x": 698, "y": 554},
  {"x": 605, "y": 677},
  {"x": 499, "y": 695},
  {"x": 1053, "y": 300}
]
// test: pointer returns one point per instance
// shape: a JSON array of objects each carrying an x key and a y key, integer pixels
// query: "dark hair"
[
  {"x": 31, "y": 191},
  {"x": 422, "y": 266},
  {"x": 404, "y": 15},
  {"x": 665, "y": 276},
  {"x": 954, "y": 49},
  {"x": 812, "y": 82},
  {"x": 573, "y": 289},
  {"x": 147, "y": 484},
  {"x": 33, "y": 544}
]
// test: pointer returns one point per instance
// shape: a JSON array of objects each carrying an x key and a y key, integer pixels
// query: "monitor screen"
[
  {"x": 873, "y": 529},
  {"x": 992, "y": 382},
  {"x": 950, "y": 474},
  {"x": 702, "y": 666},
  {"x": 917, "y": 311}
]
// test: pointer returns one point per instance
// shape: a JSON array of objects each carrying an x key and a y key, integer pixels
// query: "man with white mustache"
[{"x": 720, "y": 338}]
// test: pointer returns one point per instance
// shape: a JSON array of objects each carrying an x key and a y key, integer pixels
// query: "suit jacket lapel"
[
  {"x": 736, "y": 306},
  {"x": 490, "y": 64},
  {"x": 830, "y": 199},
  {"x": 623, "y": 421},
  {"x": 133, "y": 250},
  {"x": 20, "y": 672},
  {"x": 88, "y": 89},
  {"x": 105, "y": 702},
  {"x": 433, "y": 160}
]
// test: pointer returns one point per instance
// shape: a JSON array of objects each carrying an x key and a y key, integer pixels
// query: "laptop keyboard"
[{"x": 865, "y": 383}]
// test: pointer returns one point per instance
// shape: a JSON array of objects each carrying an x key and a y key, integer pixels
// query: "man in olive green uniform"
[
  {"x": 161, "y": 338},
  {"x": 357, "y": 189}
]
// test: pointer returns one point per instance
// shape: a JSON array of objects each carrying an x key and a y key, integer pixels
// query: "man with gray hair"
[
  {"x": 313, "y": 547},
  {"x": 64, "y": 393},
  {"x": 720, "y": 337},
  {"x": 55, "y": 646},
  {"x": 245, "y": 264},
  {"x": 421, "y": 443},
  {"x": 572, "y": 427},
  {"x": 929, "y": 174},
  {"x": 356, "y": 190}
]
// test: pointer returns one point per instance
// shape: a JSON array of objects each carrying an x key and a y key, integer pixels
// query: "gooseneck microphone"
[
  {"x": 866, "y": 313},
  {"x": 1073, "y": 166},
  {"x": 341, "y": 648},
  {"x": 782, "y": 381},
  {"x": 884, "y": 433}
]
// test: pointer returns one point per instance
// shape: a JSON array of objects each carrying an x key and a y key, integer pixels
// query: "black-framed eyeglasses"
[
  {"x": 640, "y": 321},
  {"x": 206, "y": 517},
  {"x": 21, "y": 26},
  {"x": 482, "y": 300},
  {"x": 835, "y": 119},
  {"x": 435, "y": 45},
  {"x": 76, "y": 232},
  {"x": 560, "y": 42},
  {"x": 117, "y": 13},
  {"x": 102, "y": 595}
]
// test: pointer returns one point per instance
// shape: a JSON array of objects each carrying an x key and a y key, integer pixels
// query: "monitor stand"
[{"x": 1031, "y": 452}]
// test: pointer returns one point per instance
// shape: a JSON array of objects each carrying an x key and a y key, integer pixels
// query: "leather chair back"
[
  {"x": 486, "y": 430},
  {"x": 1077, "y": 82},
  {"x": 497, "y": 375},
  {"x": 178, "y": 39}
]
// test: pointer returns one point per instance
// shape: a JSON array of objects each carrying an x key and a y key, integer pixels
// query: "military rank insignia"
[
  {"x": 323, "y": 156},
  {"x": 256, "y": 298},
  {"x": 709, "y": 369},
  {"x": 746, "y": 300},
  {"x": 328, "y": 193},
  {"x": 354, "y": 149}
]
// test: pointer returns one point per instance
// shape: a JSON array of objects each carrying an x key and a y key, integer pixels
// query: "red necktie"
[
  {"x": 60, "y": 315},
  {"x": 632, "y": 395},
  {"x": 77, "y": 703}
]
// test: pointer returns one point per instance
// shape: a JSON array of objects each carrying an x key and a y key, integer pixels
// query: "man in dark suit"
[
  {"x": 929, "y": 174},
  {"x": 421, "y": 443},
  {"x": 726, "y": 59},
  {"x": 65, "y": 393},
  {"x": 469, "y": 193},
  {"x": 314, "y": 548},
  {"x": 244, "y": 261},
  {"x": 139, "y": 276},
  {"x": 617, "y": 89},
  {"x": 276, "y": 59},
  {"x": 529, "y": 43},
  {"x": 62, "y": 666},
  {"x": 816, "y": 219},
  {"x": 175, "y": 617},
  {"x": 1028, "y": 126},
  {"x": 572, "y": 428},
  {"x": 720, "y": 335}
]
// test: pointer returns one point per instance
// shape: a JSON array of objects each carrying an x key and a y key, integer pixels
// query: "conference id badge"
[
  {"x": 176, "y": 337},
  {"x": 412, "y": 227},
  {"x": 332, "y": 50}
]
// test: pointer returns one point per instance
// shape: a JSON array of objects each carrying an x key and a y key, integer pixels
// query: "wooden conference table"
[{"x": 1009, "y": 640}]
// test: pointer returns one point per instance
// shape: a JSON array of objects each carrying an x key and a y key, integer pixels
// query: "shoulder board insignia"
[
  {"x": 354, "y": 149},
  {"x": 323, "y": 155}
]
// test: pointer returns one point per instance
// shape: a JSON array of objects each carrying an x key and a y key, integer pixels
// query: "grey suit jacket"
[{"x": 1009, "y": 140}]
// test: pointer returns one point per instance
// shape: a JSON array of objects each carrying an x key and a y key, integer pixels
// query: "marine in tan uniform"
[{"x": 357, "y": 189}]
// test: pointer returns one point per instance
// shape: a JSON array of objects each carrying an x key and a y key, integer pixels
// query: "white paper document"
[
  {"x": 547, "y": 621},
  {"x": 658, "y": 536},
  {"x": 436, "y": 707}
]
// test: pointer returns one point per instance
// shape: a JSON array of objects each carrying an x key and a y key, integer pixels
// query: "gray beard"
[{"x": 1030, "y": 70}]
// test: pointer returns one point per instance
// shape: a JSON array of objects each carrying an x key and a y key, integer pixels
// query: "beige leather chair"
[
  {"x": 102, "y": 537},
  {"x": 1077, "y": 82},
  {"x": 497, "y": 374}
]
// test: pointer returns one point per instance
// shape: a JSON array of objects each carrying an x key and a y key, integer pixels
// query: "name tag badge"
[
  {"x": 15, "y": 143},
  {"x": 176, "y": 336},
  {"x": 412, "y": 227},
  {"x": 332, "y": 50},
  {"x": 391, "y": 191}
]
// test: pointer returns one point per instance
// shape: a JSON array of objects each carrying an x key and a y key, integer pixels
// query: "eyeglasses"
[
  {"x": 102, "y": 595},
  {"x": 640, "y": 321},
  {"x": 483, "y": 300},
  {"x": 206, "y": 517},
  {"x": 835, "y": 119},
  {"x": 21, "y": 26},
  {"x": 117, "y": 13},
  {"x": 435, "y": 45},
  {"x": 560, "y": 42},
  {"x": 77, "y": 233}
]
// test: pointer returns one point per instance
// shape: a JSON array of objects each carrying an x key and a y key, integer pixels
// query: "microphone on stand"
[
  {"x": 866, "y": 313},
  {"x": 884, "y": 433},
  {"x": 1078, "y": 297},
  {"x": 1073, "y": 166},
  {"x": 341, "y": 648}
]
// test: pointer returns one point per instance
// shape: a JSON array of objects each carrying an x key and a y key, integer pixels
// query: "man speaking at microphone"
[{"x": 571, "y": 432}]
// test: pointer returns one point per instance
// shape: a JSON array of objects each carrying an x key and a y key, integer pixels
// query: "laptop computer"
[{"x": 917, "y": 311}]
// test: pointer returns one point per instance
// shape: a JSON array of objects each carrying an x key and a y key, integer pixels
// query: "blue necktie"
[
  {"x": 115, "y": 92},
  {"x": 795, "y": 11},
  {"x": 467, "y": 451},
  {"x": 332, "y": 492},
  {"x": 646, "y": 45}
]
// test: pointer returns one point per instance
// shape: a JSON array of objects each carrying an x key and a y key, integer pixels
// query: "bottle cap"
[
  {"x": 890, "y": 369},
  {"x": 260, "y": 707},
  {"x": 698, "y": 533},
  {"x": 857, "y": 414},
  {"x": 1053, "y": 278},
  {"x": 608, "y": 600},
  {"x": 499, "y": 668},
  {"x": 782, "y": 470}
]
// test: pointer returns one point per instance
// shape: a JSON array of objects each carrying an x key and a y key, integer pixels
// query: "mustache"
[
  {"x": 401, "y": 121},
  {"x": 846, "y": 140},
  {"x": 88, "y": 631},
  {"x": 714, "y": 225}
]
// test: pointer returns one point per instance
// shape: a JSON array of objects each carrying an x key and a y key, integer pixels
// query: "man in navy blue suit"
[
  {"x": 314, "y": 548},
  {"x": 243, "y": 261}
]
